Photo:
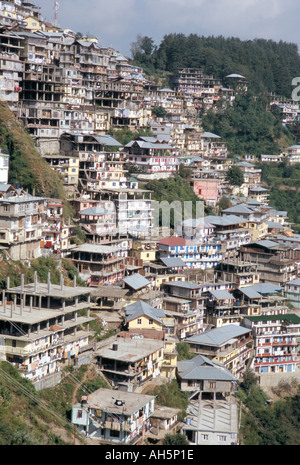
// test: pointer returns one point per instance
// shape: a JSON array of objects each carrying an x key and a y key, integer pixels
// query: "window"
[
  {"x": 150, "y": 322},
  {"x": 222, "y": 438},
  {"x": 205, "y": 437},
  {"x": 79, "y": 413},
  {"x": 139, "y": 321}
]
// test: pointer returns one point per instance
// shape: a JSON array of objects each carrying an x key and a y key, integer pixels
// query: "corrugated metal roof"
[
  {"x": 201, "y": 367},
  {"x": 139, "y": 309},
  {"x": 296, "y": 282},
  {"x": 141, "y": 305},
  {"x": 95, "y": 248},
  {"x": 173, "y": 262},
  {"x": 266, "y": 243},
  {"x": 94, "y": 211},
  {"x": 136, "y": 281},
  {"x": 234, "y": 75},
  {"x": 185, "y": 284},
  {"x": 210, "y": 135},
  {"x": 240, "y": 208},
  {"x": 225, "y": 220},
  {"x": 222, "y": 294},
  {"x": 258, "y": 290},
  {"x": 108, "y": 141},
  {"x": 251, "y": 293},
  {"x": 218, "y": 336}
]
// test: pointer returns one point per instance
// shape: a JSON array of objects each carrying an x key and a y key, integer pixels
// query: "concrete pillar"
[
  {"x": 35, "y": 281},
  {"x": 49, "y": 283}
]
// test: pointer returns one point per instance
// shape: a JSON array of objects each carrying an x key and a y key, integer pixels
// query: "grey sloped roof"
[
  {"x": 185, "y": 284},
  {"x": 141, "y": 305},
  {"x": 273, "y": 224},
  {"x": 210, "y": 134},
  {"x": 240, "y": 208},
  {"x": 267, "y": 243},
  {"x": 136, "y": 281},
  {"x": 224, "y": 220},
  {"x": 173, "y": 262},
  {"x": 108, "y": 140},
  {"x": 197, "y": 222},
  {"x": 234, "y": 75},
  {"x": 258, "y": 290},
  {"x": 145, "y": 309},
  {"x": 150, "y": 144},
  {"x": 96, "y": 248},
  {"x": 94, "y": 211},
  {"x": 245, "y": 163},
  {"x": 201, "y": 367},
  {"x": 296, "y": 282},
  {"x": 258, "y": 189},
  {"x": 266, "y": 288},
  {"x": 221, "y": 294},
  {"x": 218, "y": 336},
  {"x": 250, "y": 292}
]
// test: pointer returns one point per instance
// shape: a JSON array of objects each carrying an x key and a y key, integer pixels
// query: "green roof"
[{"x": 289, "y": 317}]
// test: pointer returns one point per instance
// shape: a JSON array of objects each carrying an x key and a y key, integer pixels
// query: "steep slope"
[{"x": 26, "y": 166}]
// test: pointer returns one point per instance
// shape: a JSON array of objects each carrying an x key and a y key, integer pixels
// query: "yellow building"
[
  {"x": 144, "y": 250},
  {"x": 34, "y": 24},
  {"x": 257, "y": 230},
  {"x": 169, "y": 365},
  {"x": 141, "y": 316},
  {"x": 144, "y": 322}
]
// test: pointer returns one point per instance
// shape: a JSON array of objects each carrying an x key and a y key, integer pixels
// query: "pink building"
[{"x": 208, "y": 189}]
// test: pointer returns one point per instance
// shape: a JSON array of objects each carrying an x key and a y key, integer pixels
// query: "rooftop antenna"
[{"x": 56, "y": 8}]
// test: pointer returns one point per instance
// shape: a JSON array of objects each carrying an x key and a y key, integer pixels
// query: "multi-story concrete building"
[
  {"x": 205, "y": 254},
  {"x": 21, "y": 223},
  {"x": 43, "y": 329},
  {"x": 119, "y": 419},
  {"x": 231, "y": 345},
  {"x": 151, "y": 156},
  {"x": 275, "y": 341}
]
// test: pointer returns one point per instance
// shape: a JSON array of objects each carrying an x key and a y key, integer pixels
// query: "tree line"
[{"x": 269, "y": 66}]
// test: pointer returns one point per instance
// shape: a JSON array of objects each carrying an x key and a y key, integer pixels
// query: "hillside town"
[{"x": 224, "y": 282}]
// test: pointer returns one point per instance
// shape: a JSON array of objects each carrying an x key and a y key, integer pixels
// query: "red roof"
[{"x": 173, "y": 241}]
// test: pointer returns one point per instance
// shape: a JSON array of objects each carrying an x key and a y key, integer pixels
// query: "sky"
[{"x": 117, "y": 23}]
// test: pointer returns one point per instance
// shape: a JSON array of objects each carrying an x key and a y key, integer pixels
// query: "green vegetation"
[
  {"x": 267, "y": 65},
  {"x": 30, "y": 417},
  {"x": 265, "y": 423},
  {"x": 27, "y": 168},
  {"x": 235, "y": 176},
  {"x": 42, "y": 265},
  {"x": 170, "y": 395},
  {"x": 175, "y": 440},
  {"x": 184, "y": 352},
  {"x": 283, "y": 181},
  {"x": 24, "y": 417},
  {"x": 172, "y": 189},
  {"x": 125, "y": 135},
  {"x": 247, "y": 126},
  {"x": 160, "y": 112}
]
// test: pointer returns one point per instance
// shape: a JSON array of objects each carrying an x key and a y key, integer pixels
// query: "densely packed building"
[{"x": 216, "y": 281}]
